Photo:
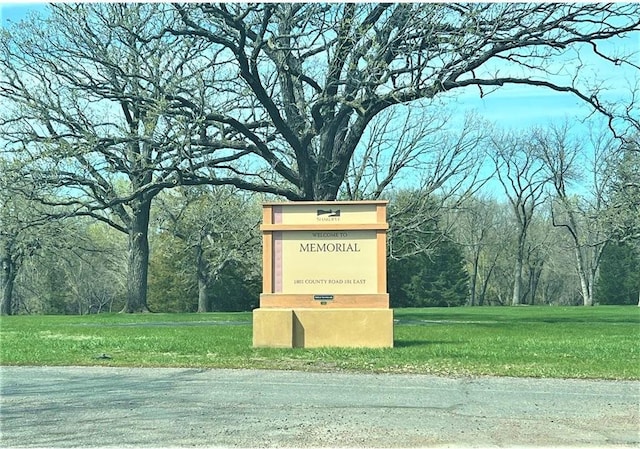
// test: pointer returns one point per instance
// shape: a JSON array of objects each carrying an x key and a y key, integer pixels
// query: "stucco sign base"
[{"x": 315, "y": 328}]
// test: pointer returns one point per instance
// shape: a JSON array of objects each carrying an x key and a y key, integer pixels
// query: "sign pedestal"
[
  {"x": 314, "y": 328},
  {"x": 324, "y": 276}
]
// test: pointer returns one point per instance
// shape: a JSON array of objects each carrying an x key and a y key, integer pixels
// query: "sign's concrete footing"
[{"x": 314, "y": 328}]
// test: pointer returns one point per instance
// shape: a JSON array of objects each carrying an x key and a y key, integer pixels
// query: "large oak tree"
[{"x": 298, "y": 84}]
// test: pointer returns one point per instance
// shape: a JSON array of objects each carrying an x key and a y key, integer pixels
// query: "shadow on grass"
[
  {"x": 521, "y": 314},
  {"x": 166, "y": 324},
  {"x": 422, "y": 323},
  {"x": 414, "y": 343}
]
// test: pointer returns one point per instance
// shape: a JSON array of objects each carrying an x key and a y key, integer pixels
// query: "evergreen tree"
[
  {"x": 399, "y": 274},
  {"x": 429, "y": 280},
  {"x": 236, "y": 289},
  {"x": 619, "y": 281},
  {"x": 441, "y": 280},
  {"x": 425, "y": 268}
]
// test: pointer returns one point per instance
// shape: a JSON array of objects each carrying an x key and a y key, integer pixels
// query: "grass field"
[{"x": 571, "y": 342}]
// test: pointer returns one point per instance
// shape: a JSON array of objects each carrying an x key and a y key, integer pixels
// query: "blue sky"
[{"x": 16, "y": 11}]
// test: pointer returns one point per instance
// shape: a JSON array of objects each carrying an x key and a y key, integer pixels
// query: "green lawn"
[{"x": 578, "y": 342}]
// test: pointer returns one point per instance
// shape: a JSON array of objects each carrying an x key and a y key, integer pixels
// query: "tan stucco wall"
[
  {"x": 272, "y": 328},
  {"x": 313, "y": 328}
]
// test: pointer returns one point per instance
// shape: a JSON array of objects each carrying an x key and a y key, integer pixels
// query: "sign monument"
[{"x": 324, "y": 276}]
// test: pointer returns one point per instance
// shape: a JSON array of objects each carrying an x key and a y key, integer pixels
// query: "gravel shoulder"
[{"x": 171, "y": 407}]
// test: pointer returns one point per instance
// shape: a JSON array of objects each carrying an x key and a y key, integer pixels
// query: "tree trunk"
[
  {"x": 203, "y": 279},
  {"x": 534, "y": 281},
  {"x": 517, "y": 283},
  {"x": 592, "y": 287},
  {"x": 587, "y": 297},
  {"x": 585, "y": 284},
  {"x": 7, "y": 282},
  {"x": 138, "y": 257},
  {"x": 485, "y": 281},
  {"x": 474, "y": 278},
  {"x": 203, "y": 298},
  {"x": 517, "y": 272}
]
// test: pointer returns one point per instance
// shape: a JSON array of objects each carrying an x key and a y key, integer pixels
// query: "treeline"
[
  {"x": 138, "y": 140},
  {"x": 206, "y": 256}
]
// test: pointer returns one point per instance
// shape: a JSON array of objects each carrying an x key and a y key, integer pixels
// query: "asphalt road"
[{"x": 124, "y": 407}]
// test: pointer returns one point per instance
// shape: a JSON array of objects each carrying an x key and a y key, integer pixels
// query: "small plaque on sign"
[{"x": 322, "y": 297}]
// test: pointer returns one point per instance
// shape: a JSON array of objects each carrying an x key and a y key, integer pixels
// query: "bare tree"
[
  {"x": 581, "y": 217},
  {"x": 87, "y": 106},
  {"x": 523, "y": 179},
  {"x": 299, "y": 84},
  {"x": 538, "y": 255},
  {"x": 17, "y": 242},
  {"x": 24, "y": 231},
  {"x": 433, "y": 151},
  {"x": 480, "y": 228},
  {"x": 441, "y": 164},
  {"x": 29, "y": 236}
]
